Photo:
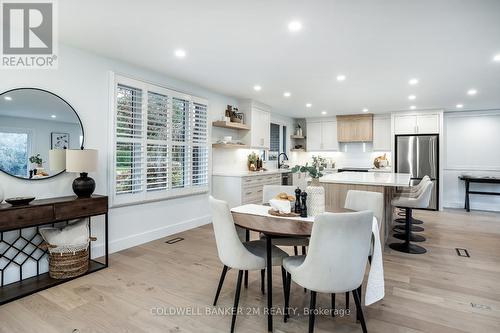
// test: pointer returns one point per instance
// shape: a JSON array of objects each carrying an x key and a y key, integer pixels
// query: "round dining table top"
[{"x": 278, "y": 226}]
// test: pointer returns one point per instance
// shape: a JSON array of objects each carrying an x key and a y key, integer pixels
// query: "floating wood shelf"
[
  {"x": 229, "y": 146},
  {"x": 297, "y": 137},
  {"x": 231, "y": 125},
  {"x": 298, "y": 150}
]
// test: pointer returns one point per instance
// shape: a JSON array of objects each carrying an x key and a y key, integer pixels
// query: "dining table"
[{"x": 256, "y": 218}]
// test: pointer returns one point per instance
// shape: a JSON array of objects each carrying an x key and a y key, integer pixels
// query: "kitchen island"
[{"x": 337, "y": 185}]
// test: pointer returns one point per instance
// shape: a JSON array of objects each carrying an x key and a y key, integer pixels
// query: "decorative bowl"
[{"x": 19, "y": 201}]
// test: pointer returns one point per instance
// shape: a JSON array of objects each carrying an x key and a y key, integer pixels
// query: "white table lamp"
[
  {"x": 57, "y": 159},
  {"x": 82, "y": 161}
]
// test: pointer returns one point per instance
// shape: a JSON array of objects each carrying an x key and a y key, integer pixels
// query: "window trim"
[{"x": 144, "y": 196}]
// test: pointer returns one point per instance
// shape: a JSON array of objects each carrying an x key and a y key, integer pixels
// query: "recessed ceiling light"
[
  {"x": 323, "y": 112},
  {"x": 287, "y": 94},
  {"x": 365, "y": 110},
  {"x": 412, "y": 97},
  {"x": 459, "y": 106},
  {"x": 341, "y": 77},
  {"x": 295, "y": 26},
  {"x": 8, "y": 98},
  {"x": 308, "y": 105},
  {"x": 471, "y": 92},
  {"x": 413, "y": 107},
  {"x": 497, "y": 58},
  {"x": 413, "y": 82},
  {"x": 53, "y": 116},
  {"x": 180, "y": 53},
  {"x": 257, "y": 88}
]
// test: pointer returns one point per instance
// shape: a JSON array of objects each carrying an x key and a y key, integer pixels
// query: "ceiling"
[{"x": 233, "y": 45}]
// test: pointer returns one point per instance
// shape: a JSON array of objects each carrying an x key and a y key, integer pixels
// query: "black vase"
[{"x": 83, "y": 186}]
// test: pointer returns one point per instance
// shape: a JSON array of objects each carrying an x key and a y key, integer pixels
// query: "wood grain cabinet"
[{"x": 355, "y": 128}]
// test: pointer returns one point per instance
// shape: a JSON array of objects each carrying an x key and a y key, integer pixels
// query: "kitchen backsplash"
[{"x": 351, "y": 155}]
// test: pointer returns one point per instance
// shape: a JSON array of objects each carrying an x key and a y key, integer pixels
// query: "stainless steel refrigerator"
[{"x": 418, "y": 155}]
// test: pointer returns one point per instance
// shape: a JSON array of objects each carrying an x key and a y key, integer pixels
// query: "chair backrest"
[
  {"x": 366, "y": 200},
  {"x": 338, "y": 252},
  {"x": 419, "y": 188},
  {"x": 231, "y": 251},
  {"x": 424, "y": 197},
  {"x": 270, "y": 191}
]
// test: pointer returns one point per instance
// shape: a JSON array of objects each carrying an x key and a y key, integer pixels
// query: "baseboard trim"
[
  {"x": 474, "y": 206},
  {"x": 150, "y": 235}
]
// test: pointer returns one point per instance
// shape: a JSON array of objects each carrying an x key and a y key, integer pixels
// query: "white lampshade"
[
  {"x": 81, "y": 160},
  {"x": 57, "y": 159}
]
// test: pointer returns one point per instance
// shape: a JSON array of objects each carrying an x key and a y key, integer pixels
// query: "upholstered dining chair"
[
  {"x": 248, "y": 256},
  {"x": 268, "y": 193},
  {"x": 365, "y": 200},
  {"x": 336, "y": 260}
]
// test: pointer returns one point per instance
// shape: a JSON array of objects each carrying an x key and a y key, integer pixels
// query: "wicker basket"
[
  {"x": 65, "y": 263},
  {"x": 68, "y": 265}
]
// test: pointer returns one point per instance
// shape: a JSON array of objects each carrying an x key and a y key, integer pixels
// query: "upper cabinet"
[
  {"x": 322, "y": 136},
  {"x": 355, "y": 128},
  {"x": 382, "y": 133},
  {"x": 259, "y": 118},
  {"x": 416, "y": 124}
]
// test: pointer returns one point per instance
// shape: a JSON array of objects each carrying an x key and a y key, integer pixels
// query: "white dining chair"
[
  {"x": 271, "y": 191},
  {"x": 336, "y": 260},
  {"x": 365, "y": 200},
  {"x": 248, "y": 256}
]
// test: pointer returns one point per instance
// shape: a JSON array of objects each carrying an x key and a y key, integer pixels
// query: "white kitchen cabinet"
[
  {"x": 329, "y": 135},
  {"x": 322, "y": 136},
  {"x": 428, "y": 124},
  {"x": 313, "y": 136},
  {"x": 381, "y": 133},
  {"x": 416, "y": 124},
  {"x": 259, "y": 118}
]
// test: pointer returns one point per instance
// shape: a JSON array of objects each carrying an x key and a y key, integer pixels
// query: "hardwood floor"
[{"x": 435, "y": 292}]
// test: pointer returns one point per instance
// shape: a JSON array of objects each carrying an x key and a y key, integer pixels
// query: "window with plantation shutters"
[{"x": 160, "y": 142}]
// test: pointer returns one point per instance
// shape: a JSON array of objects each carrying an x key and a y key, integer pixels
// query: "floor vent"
[
  {"x": 480, "y": 306},
  {"x": 462, "y": 252},
  {"x": 174, "y": 240}
]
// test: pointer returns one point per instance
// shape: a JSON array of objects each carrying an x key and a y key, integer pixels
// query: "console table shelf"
[{"x": 38, "y": 213}]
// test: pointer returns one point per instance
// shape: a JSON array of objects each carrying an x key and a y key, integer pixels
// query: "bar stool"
[
  {"x": 411, "y": 190},
  {"x": 421, "y": 200},
  {"x": 414, "y": 191}
]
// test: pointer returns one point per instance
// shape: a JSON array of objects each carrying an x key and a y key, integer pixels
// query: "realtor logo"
[{"x": 28, "y": 34}]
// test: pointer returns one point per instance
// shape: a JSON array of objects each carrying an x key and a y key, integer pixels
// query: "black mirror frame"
[{"x": 70, "y": 106}]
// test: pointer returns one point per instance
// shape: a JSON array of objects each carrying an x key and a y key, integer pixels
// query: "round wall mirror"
[{"x": 35, "y": 127}]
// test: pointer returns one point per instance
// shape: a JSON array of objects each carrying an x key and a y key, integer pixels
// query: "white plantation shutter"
[
  {"x": 128, "y": 147},
  {"x": 199, "y": 149},
  {"x": 161, "y": 143}
]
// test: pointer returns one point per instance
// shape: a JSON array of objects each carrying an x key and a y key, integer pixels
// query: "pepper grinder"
[
  {"x": 303, "y": 207},
  {"x": 297, "y": 200}
]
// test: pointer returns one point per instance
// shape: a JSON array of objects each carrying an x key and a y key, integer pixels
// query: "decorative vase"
[{"x": 315, "y": 198}]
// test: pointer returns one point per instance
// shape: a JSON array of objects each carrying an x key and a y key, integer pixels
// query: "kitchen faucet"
[{"x": 284, "y": 159}]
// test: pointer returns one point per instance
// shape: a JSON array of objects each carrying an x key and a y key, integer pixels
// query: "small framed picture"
[{"x": 59, "y": 140}]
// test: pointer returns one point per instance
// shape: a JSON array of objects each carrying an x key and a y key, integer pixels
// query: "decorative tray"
[{"x": 277, "y": 213}]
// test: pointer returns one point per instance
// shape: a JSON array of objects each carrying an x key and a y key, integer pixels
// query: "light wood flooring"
[{"x": 435, "y": 292}]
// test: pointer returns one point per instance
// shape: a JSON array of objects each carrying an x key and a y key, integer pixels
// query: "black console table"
[
  {"x": 29, "y": 218},
  {"x": 482, "y": 180}
]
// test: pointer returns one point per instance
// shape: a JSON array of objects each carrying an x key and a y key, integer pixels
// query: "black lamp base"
[{"x": 83, "y": 186}]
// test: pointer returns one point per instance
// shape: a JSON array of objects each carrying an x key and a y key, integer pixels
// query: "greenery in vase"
[
  {"x": 314, "y": 170},
  {"x": 36, "y": 159},
  {"x": 252, "y": 158}
]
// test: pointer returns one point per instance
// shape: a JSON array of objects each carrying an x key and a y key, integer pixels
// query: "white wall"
[
  {"x": 471, "y": 147},
  {"x": 83, "y": 80}
]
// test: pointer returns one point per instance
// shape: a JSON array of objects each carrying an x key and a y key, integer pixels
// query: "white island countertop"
[
  {"x": 368, "y": 178},
  {"x": 230, "y": 173}
]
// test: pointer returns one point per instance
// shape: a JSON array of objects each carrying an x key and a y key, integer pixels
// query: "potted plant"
[
  {"x": 253, "y": 162},
  {"x": 315, "y": 192},
  {"x": 36, "y": 160}
]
